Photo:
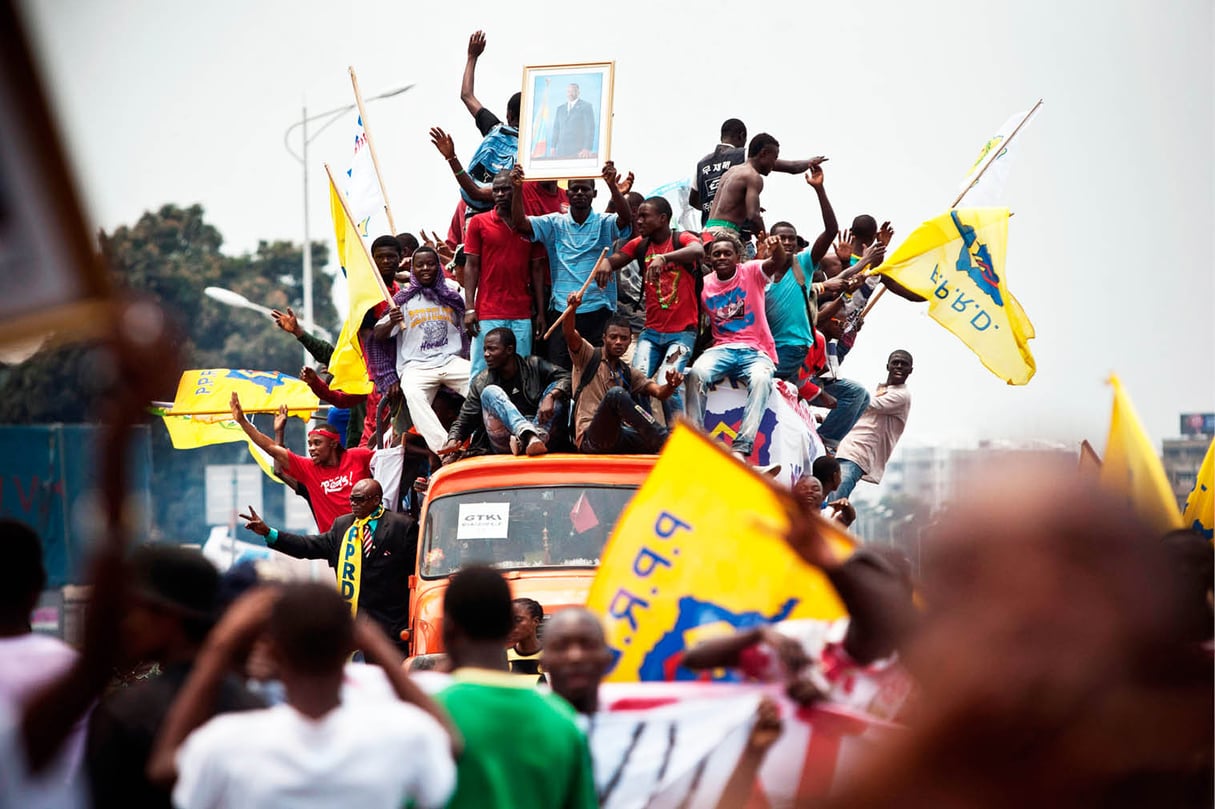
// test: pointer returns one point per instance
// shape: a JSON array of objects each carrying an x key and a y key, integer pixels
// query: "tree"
[{"x": 173, "y": 255}]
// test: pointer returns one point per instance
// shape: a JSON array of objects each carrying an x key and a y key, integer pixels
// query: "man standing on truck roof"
[
  {"x": 372, "y": 551},
  {"x": 517, "y": 400}
]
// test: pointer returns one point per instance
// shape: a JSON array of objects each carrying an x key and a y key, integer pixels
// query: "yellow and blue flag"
[
  {"x": 364, "y": 289},
  {"x": 205, "y": 396},
  {"x": 956, "y": 261},
  {"x": 1132, "y": 468},
  {"x": 1199, "y": 512},
  {"x": 688, "y": 561}
]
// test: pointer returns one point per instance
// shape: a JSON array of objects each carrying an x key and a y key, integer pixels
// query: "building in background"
[{"x": 1183, "y": 456}]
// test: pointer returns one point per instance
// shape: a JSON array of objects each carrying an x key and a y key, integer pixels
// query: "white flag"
[
  {"x": 989, "y": 190},
  {"x": 362, "y": 189}
]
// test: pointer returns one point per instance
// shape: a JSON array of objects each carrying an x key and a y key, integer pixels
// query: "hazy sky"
[{"x": 1112, "y": 189}]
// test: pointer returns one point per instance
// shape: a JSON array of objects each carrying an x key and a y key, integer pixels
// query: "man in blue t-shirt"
[
  {"x": 500, "y": 142},
  {"x": 574, "y": 242}
]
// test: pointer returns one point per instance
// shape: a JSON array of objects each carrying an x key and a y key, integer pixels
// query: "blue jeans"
[
  {"x": 850, "y": 474},
  {"x": 652, "y": 358},
  {"x": 748, "y": 365},
  {"x": 790, "y": 359},
  {"x": 522, "y": 329},
  {"x": 851, "y": 399},
  {"x": 502, "y": 419}
]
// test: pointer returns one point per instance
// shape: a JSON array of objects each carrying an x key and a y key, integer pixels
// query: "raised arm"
[
  {"x": 666, "y": 390},
  {"x": 447, "y": 147},
  {"x": 476, "y": 46},
  {"x": 518, "y": 220},
  {"x": 814, "y": 178},
  {"x": 379, "y": 651},
  {"x": 776, "y": 255},
  {"x": 277, "y": 451},
  {"x": 620, "y": 204},
  {"x": 301, "y": 546},
  {"x": 241, "y": 625},
  {"x": 798, "y": 166},
  {"x": 573, "y": 340}
]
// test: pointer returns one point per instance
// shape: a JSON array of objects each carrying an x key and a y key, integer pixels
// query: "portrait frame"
[{"x": 556, "y": 141}]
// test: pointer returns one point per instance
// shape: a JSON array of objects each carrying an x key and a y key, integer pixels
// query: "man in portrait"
[{"x": 574, "y": 126}]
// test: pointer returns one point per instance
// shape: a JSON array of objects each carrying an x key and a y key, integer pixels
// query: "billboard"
[{"x": 1198, "y": 423}]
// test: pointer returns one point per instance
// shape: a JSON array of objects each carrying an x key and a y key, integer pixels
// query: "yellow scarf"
[{"x": 350, "y": 561}]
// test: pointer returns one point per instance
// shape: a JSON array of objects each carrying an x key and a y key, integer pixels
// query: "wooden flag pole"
[
  {"x": 973, "y": 182},
  {"x": 570, "y": 309},
  {"x": 375, "y": 161},
  {"x": 996, "y": 156},
  {"x": 374, "y": 271}
]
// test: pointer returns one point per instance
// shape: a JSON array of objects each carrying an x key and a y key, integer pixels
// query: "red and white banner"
[{"x": 663, "y": 745}]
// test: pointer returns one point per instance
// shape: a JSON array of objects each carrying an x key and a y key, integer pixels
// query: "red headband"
[{"x": 326, "y": 431}]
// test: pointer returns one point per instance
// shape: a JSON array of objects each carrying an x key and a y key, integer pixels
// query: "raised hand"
[
  {"x": 476, "y": 44},
  {"x": 280, "y": 418},
  {"x": 238, "y": 412},
  {"x": 761, "y": 246},
  {"x": 255, "y": 523},
  {"x": 885, "y": 234},
  {"x": 843, "y": 248},
  {"x": 287, "y": 322},
  {"x": 574, "y": 300},
  {"x": 444, "y": 143},
  {"x": 814, "y": 177},
  {"x": 767, "y": 727},
  {"x": 610, "y": 175},
  {"x": 626, "y": 185},
  {"x": 516, "y": 176},
  {"x": 308, "y": 375}
]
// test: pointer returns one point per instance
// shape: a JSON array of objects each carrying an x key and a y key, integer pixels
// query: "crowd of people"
[
  {"x": 468, "y": 358},
  {"x": 1054, "y": 653}
]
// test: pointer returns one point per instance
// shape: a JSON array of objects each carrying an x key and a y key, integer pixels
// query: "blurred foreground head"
[{"x": 1055, "y": 659}]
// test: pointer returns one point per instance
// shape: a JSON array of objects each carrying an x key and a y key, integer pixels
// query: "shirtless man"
[{"x": 736, "y": 206}]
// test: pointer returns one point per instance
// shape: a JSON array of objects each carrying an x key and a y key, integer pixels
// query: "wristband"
[
  {"x": 272, "y": 537},
  {"x": 470, "y": 311},
  {"x": 458, "y": 173}
]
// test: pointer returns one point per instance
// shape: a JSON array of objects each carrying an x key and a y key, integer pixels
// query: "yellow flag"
[
  {"x": 956, "y": 261},
  {"x": 1132, "y": 468},
  {"x": 689, "y": 560},
  {"x": 364, "y": 289},
  {"x": 1200, "y": 505},
  {"x": 205, "y": 396}
]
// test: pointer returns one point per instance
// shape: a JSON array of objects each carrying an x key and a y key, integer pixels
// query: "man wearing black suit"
[
  {"x": 574, "y": 127},
  {"x": 384, "y": 542}
]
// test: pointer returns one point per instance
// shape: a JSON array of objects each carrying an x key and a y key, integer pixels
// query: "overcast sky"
[{"x": 1109, "y": 248}]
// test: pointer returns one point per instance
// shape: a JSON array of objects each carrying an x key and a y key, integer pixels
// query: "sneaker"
[{"x": 516, "y": 446}]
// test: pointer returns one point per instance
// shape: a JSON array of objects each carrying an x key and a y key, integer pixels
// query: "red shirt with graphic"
[
  {"x": 670, "y": 304},
  {"x": 329, "y": 486}
]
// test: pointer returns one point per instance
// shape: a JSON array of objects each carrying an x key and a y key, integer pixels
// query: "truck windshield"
[{"x": 527, "y": 527}]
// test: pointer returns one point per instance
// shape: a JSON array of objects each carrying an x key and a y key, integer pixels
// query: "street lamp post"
[{"x": 328, "y": 117}]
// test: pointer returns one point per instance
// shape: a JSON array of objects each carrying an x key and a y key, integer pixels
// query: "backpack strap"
[{"x": 588, "y": 373}]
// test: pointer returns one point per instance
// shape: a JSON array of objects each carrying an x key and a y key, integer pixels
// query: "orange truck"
[{"x": 542, "y": 521}]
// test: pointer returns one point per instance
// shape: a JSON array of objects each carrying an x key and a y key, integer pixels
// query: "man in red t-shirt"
[
  {"x": 503, "y": 277},
  {"x": 671, "y": 266},
  {"x": 328, "y": 473}
]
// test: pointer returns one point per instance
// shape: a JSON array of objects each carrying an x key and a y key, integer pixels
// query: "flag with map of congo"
[
  {"x": 201, "y": 414},
  {"x": 689, "y": 561},
  {"x": 956, "y": 261}
]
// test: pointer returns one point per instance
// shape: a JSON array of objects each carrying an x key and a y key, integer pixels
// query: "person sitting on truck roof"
[
  {"x": 521, "y": 747},
  {"x": 517, "y": 400},
  {"x": 607, "y": 417},
  {"x": 328, "y": 473}
]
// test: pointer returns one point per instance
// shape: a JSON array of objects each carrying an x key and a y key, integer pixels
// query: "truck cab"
[{"x": 542, "y": 521}]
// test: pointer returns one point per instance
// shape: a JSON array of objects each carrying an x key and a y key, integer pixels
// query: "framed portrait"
[{"x": 565, "y": 122}]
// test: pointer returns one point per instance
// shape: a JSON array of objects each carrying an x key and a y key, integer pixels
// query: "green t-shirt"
[{"x": 521, "y": 748}]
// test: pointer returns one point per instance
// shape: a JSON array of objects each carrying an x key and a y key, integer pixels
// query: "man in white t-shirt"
[
  {"x": 315, "y": 750},
  {"x": 426, "y": 319}
]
